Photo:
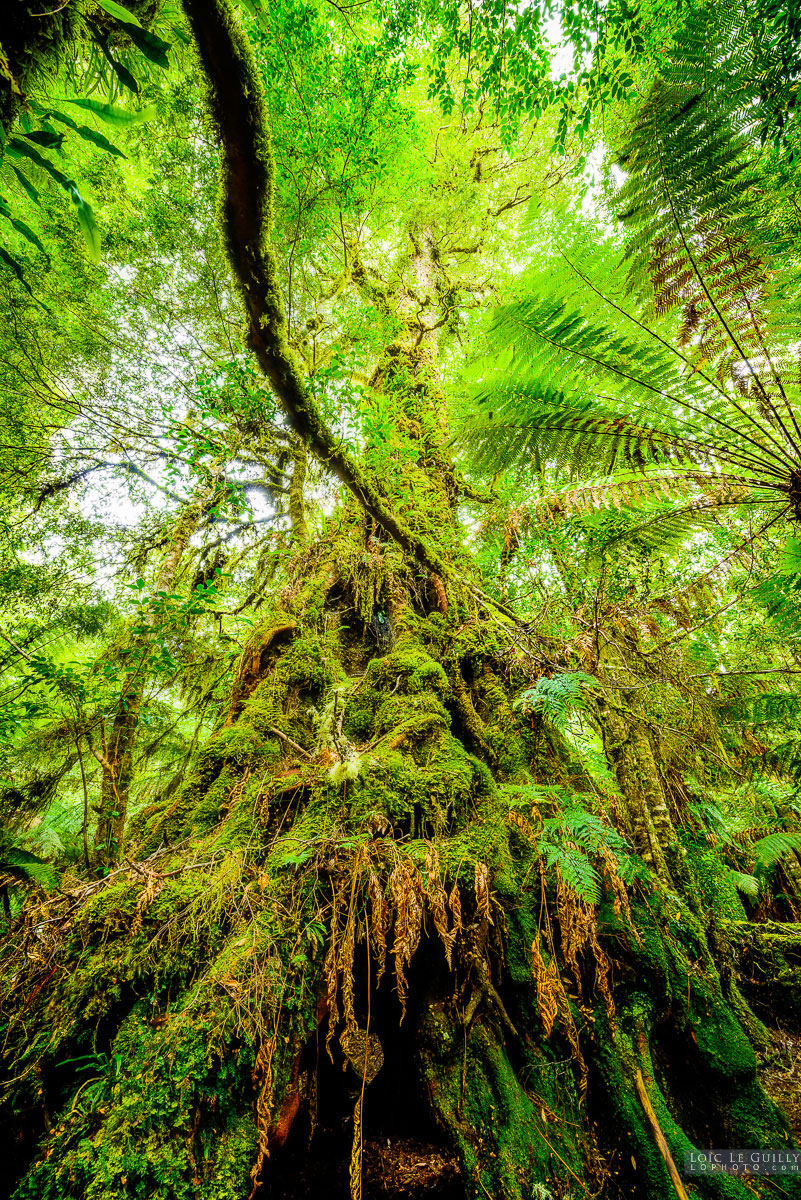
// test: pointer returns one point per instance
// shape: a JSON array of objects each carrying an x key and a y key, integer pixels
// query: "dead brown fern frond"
[
  {"x": 551, "y": 989},
  {"x": 379, "y": 922},
  {"x": 263, "y": 1082},
  {"x": 406, "y": 890},
  {"x": 356, "y": 1153},
  {"x": 481, "y": 888},
  {"x": 438, "y": 900}
]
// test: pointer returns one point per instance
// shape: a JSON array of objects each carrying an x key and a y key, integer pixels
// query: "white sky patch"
[{"x": 561, "y": 50}]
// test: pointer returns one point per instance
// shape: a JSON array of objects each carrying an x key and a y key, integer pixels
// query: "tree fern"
[{"x": 681, "y": 354}]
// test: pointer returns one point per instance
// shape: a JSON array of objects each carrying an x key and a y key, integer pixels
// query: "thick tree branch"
[{"x": 238, "y": 106}]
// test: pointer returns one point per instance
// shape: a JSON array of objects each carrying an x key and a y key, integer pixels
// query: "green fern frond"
[
  {"x": 24, "y": 866},
  {"x": 766, "y": 709},
  {"x": 576, "y": 870},
  {"x": 630, "y": 490},
  {"x": 786, "y": 758},
  {"x": 682, "y": 355},
  {"x": 555, "y": 697},
  {"x": 770, "y": 850},
  {"x": 749, "y": 885},
  {"x": 780, "y": 594}
]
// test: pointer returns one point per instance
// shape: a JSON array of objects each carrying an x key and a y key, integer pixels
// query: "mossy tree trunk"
[
  {"x": 348, "y": 865},
  {"x": 338, "y": 950}
]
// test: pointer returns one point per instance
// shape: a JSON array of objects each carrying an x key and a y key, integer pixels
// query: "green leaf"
[
  {"x": 89, "y": 135},
  {"x": 150, "y": 44},
  {"x": 121, "y": 14},
  {"x": 86, "y": 220},
  {"x": 27, "y": 185},
  {"x": 46, "y": 138},
  {"x": 16, "y": 267},
  {"x": 22, "y": 228},
  {"x": 120, "y": 118},
  {"x": 769, "y": 850},
  {"x": 17, "y": 148},
  {"x": 790, "y": 557},
  {"x": 123, "y": 74}
]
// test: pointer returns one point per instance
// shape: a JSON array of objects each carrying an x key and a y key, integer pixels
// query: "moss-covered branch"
[{"x": 237, "y": 102}]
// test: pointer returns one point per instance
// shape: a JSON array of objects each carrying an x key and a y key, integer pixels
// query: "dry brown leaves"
[
  {"x": 408, "y": 895},
  {"x": 153, "y": 885},
  {"x": 578, "y": 928},
  {"x": 356, "y": 1153},
  {"x": 438, "y": 901}
]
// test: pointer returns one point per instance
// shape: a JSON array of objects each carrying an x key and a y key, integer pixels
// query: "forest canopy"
[{"x": 400, "y": 598}]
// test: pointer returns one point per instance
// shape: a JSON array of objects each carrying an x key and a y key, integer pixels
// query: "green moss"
[
  {"x": 716, "y": 892},
  {"x": 171, "y": 994},
  {"x": 618, "y": 1057},
  {"x": 507, "y": 1138},
  {"x": 410, "y": 664},
  {"x": 165, "y": 1111},
  {"x": 678, "y": 1000}
]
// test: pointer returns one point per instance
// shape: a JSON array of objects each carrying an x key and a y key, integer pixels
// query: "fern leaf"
[{"x": 769, "y": 850}]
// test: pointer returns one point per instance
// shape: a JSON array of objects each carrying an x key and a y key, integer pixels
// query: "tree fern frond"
[
  {"x": 749, "y": 885},
  {"x": 629, "y": 490},
  {"x": 770, "y": 850},
  {"x": 686, "y": 357},
  {"x": 23, "y": 865},
  {"x": 780, "y": 594}
]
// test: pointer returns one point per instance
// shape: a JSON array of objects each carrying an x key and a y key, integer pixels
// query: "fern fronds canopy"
[{"x": 681, "y": 353}]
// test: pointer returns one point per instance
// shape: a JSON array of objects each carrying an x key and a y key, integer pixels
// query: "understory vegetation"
[{"x": 400, "y": 598}]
